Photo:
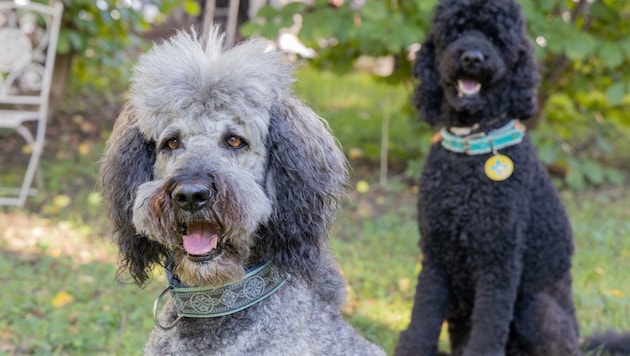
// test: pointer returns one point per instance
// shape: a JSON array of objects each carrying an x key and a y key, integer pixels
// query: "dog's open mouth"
[
  {"x": 201, "y": 241},
  {"x": 468, "y": 87}
]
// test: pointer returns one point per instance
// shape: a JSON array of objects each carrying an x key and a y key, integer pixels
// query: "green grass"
[
  {"x": 355, "y": 107},
  {"x": 601, "y": 224},
  {"x": 375, "y": 240},
  {"x": 100, "y": 317}
]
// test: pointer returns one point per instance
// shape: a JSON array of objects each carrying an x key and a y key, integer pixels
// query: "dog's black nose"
[
  {"x": 191, "y": 196},
  {"x": 472, "y": 58}
]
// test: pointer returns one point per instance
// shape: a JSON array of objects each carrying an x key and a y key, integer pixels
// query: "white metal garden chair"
[{"x": 28, "y": 44}]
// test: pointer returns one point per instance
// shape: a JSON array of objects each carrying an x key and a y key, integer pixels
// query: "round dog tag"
[{"x": 499, "y": 167}]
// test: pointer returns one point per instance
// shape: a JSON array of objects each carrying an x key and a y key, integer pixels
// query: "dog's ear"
[
  {"x": 428, "y": 95},
  {"x": 524, "y": 83},
  {"x": 306, "y": 177},
  {"x": 127, "y": 163}
]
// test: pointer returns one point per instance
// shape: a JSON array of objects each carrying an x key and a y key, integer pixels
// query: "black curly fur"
[
  {"x": 121, "y": 174},
  {"x": 496, "y": 255},
  {"x": 303, "y": 214},
  {"x": 505, "y": 29},
  {"x": 608, "y": 344}
]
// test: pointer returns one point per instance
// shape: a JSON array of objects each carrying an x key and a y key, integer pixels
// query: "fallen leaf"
[
  {"x": 404, "y": 284},
  {"x": 363, "y": 186},
  {"x": 614, "y": 293},
  {"x": 355, "y": 153},
  {"x": 62, "y": 299}
]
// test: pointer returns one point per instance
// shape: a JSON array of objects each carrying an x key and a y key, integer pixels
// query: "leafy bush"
[{"x": 103, "y": 37}]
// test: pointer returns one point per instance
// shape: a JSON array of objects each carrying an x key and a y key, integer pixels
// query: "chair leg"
[{"x": 31, "y": 171}]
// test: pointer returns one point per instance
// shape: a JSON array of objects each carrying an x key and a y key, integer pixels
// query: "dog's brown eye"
[
  {"x": 172, "y": 144},
  {"x": 235, "y": 141}
]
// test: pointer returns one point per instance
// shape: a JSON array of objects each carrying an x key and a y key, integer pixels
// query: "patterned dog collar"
[
  {"x": 510, "y": 134},
  {"x": 201, "y": 302}
]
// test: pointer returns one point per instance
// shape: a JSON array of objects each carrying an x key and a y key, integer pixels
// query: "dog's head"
[
  {"x": 476, "y": 65},
  {"x": 214, "y": 166}
]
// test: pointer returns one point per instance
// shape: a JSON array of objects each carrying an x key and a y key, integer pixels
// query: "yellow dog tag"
[{"x": 499, "y": 167}]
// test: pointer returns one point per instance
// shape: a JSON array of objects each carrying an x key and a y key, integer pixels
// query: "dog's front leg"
[
  {"x": 429, "y": 310},
  {"x": 495, "y": 296}
]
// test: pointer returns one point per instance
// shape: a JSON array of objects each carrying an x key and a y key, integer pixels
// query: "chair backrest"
[{"x": 28, "y": 43}]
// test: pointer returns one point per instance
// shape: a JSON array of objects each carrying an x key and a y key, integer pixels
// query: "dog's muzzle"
[{"x": 201, "y": 227}]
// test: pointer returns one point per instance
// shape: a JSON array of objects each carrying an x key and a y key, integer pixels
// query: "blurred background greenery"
[{"x": 58, "y": 266}]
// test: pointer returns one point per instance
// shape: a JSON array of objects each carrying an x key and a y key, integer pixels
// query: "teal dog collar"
[
  {"x": 201, "y": 302},
  {"x": 509, "y": 135}
]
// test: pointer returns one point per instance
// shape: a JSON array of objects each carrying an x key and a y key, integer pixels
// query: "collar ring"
[{"x": 156, "y": 305}]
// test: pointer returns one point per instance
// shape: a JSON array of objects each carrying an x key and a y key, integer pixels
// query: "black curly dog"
[
  {"x": 496, "y": 240},
  {"x": 496, "y": 252}
]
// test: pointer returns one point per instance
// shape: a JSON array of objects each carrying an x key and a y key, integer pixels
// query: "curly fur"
[
  {"x": 496, "y": 255},
  {"x": 213, "y": 140}
]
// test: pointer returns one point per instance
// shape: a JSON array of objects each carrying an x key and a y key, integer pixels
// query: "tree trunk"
[{"x": 63, "y": 64}]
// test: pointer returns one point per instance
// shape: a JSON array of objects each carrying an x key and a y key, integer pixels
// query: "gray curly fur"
[
  {"x": 496, "y": 255},
  {"x": 273, "y": 198}
]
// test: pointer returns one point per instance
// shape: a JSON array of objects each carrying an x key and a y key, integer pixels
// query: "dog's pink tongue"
[
  {"x": 200, "y": 240},
  {"x": 469, "y": 86}
]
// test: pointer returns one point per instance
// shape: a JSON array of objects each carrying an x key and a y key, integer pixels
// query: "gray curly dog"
[{"x": 217, "y": 172}]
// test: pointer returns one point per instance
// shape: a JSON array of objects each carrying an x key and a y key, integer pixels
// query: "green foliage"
[
  {"x": 585, "y": 92},
  {"x": 588, "y": 135},
  {"x": 103, "y": 37},
  {"x": 582, "y": 47},
  {"x": 342, "y": 34}
]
